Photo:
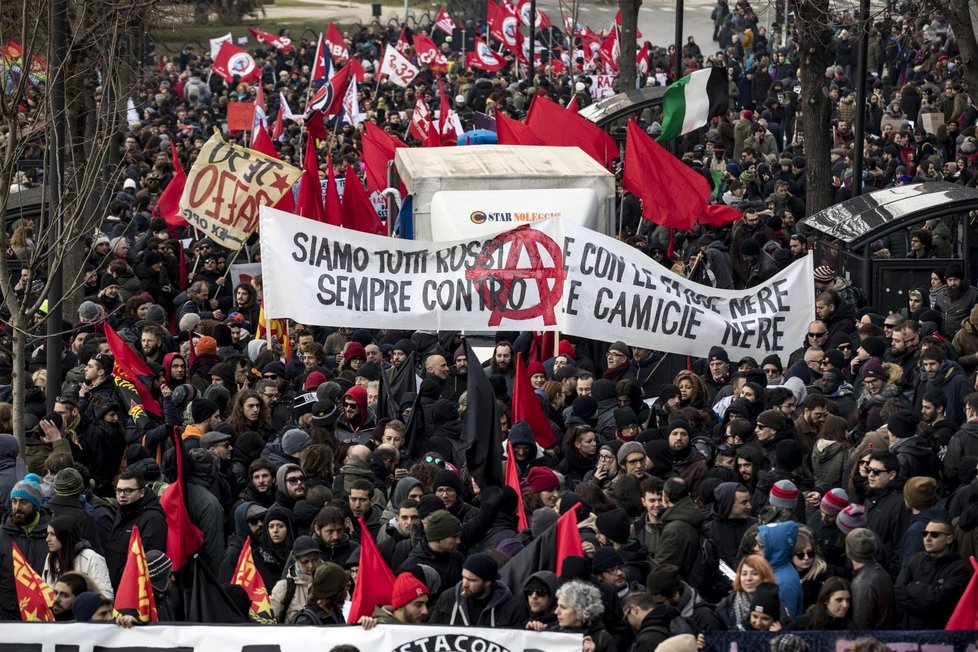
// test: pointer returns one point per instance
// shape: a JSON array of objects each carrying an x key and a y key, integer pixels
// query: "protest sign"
[
  {"x": 107, "y": 637},
  {"x": 546, "y": 275},
  {"x": 226, "y": 186}
]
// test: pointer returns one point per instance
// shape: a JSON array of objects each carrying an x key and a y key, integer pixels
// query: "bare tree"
[
  {"x": 101, "y": 71},
  {"x": 962, "y": 17},
  {"x": 627, "y": 42}
]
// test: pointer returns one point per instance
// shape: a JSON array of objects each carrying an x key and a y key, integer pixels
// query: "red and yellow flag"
[
  {"x": 135, "y": 595},
  {"x": 34, "y": 596},
  {"x": 274, "y": 330},
  {"x": 246, "y": 576}
]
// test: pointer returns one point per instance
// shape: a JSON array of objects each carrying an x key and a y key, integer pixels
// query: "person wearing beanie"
[
  {"x": 872, "y": 586},
  {"x": 778, "y": 541},
  {"x": 479, "y": 599},
  {"x": 542, "y": 487},
  {"x": 915, "y": 455},
  {"x": 886, "y": 511},
  {"x": 161, "y": 578},
  {"x": 91, "y": 607},
  {"x": 850, "y": 518},
  {"x": 613, "y": 528},
  {"x": 783, "y": 495},
  {"x": 729, "y": 519},
  {"x": 765, "y": 607},
  {"x": 920, "y": 497},
  {"x": 409, "y": 604},
  {"x": 619, "y": 363},
  {"x": 631, "y": 459},
  {"x": 26, "y": 524},
  {"x": 204, "y": 415},
  {"x": 834, "y": 501},
  {"x": 438, "y": 548},
  {"x": 929, "y": 587},
  {"x": 326, "y": 597},
  {"x": 66, "y": 502},
  {"x": 290, "y": 595}
]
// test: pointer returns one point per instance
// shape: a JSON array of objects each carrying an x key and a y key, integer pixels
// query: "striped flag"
[
  {"x": 34, "y": 596},
  {"x": 689, "y": 103},
  {"x": 247, "y": 577}
]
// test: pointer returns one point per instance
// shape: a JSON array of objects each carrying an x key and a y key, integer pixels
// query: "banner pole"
[{"x": 556, "y": 343}]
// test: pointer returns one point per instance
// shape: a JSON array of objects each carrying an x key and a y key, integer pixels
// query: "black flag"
[
  {"x": 405, "y": 380},
  {"x": 209, "y": 602},
  {"x": 414, "y": 435},
  {"x": 481, "y": 426}
]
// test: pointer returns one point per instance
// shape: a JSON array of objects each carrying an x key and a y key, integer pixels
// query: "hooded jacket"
[
  {"x": 779, "y": 545},
  {"x": 203, "y": 506},
  {"x": 888, "y": 517},
  {"x": 916, "y": 457},
  {"x": 725, "y": 532},
  {"x": 501, "y": 610},
  {"x": 362, "y": 429},
  {"x": 552, "y": 582},
  {"x": 964, "y": 442},
  {"x": 679, "y": 543}
]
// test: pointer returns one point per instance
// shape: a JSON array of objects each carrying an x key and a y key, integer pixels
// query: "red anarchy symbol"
[{"x": 521, "y": 239}]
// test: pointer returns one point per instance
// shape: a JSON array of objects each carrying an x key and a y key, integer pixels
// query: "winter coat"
[
  {"x": 887, "y": 516},
  {"x": 779, "y": 545},
  {"x": 147, "y": 514},
  {"x": 872, "y": 598},
  {"x": 72, "y": 507},
  {"x": 964, "y": 442},
  {"x": 86, "y": 561},
  {"x": 502, "y": 609},
  {"x": 954, "y": 310},
  {"x": 928, "y": 589},
  {"x": 913, "y": 538},
  {"x": 303, "y": 585},
  {"x": 828, "y": 458},
  {"x": 916, "y": 457},
  {"x": 207, "y": 514},
  {"x": 951, "y": 382},
  {"x": 658, "y": 625},
  {"x": 447, "y": 565},
  {"x": 679, "y": 543}
]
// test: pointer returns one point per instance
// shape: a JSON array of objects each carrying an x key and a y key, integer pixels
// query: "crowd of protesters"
[{"x": 833, "y": 490}]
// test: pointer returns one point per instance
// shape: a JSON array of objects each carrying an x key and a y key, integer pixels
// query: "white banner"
[
  {"x": 87, "y": 637},
  {"x": 397, "y": 67},
  {"x": 244, "y": 272},
  {"x": 216, "y": 44},
  {"x": 547, "y": 275}
]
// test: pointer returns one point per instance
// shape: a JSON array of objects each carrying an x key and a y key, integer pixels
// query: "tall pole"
[
  {"x": 679, "y": 41},
  {"x": 533, "y": 39},
  {"x": 859, "y": 127},
  {"x": 59, "y": 48}
]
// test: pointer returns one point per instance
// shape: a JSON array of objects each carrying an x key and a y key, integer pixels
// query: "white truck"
[{"x": 462, "y": 192}]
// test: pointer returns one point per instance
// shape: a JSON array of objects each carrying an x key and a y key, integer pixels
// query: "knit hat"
[
  {"x": 447, "y": 478},
  {"x": 482, "y": 566},
  {"x": 28, "y": 489},
  {"x": 403, "y": 345},
  {"x": 295, "y": 440},
  {"x": 771, "y": 419},
  {"x": 614, "y": 524},
  {"x": 861, "y": 545},
  {"x": 354, "y": 350},
  {"x": 584, "y": 407},
  {"x": 313, "y": 380},
  {"x": 784, "y": 494},
  {"x": 852, "y": 517},
  {"x": 368, "y": 370},
  {"x": 159, "y": 566},
  {"x": 767, "y": 600},
  {"x": 328, "y": 581},
  {"x": 824, "y": 274},
  {"x": 834, "y": 501},
  {"x": 664, "y": 580},
  {"x": 534, "y": 368},
  {"x": 203, "y": 409},
  {"x": 543, "y": 517},
  {"x": 954, "y": 270},
  {"x": 407, "y": 588},
  {"x": 86, "y": 604},
  {"x": 873, "y": 368},
  {"x": 68, "y": 482},
  {"x": 920, "y": 492},
  {"x": 605, "y": 558},
  {"x": 718, "y": 353},
  {"x": 629, "y": 448},
  {"x": 875, "y": 346},
  {"x": 442, "y": 525},
  {"x": 520, "y": 433},
  {"x": 206, "y": 345},
  {"x": 325, "y": 413},
  {"x": 621, "y": 347},
  {"x": 89, "y": 311},
  {"x": 541, "y": 478},
  {"x": 788, "y": 455},
  {"x": 429, "y": 504},
  {"x": 903, "y": 424},
  {"x": 625, "y": 417},
  {"x": 510, "y": 546}
]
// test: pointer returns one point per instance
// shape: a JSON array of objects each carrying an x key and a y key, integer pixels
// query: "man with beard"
[
  {"x": 174, "y": 369},
  {"x": 409, "y": 605},
  {"x": 98, "y": 382},
  {"x": 502, "y": 363},
  {"x": 68, "y": 587},
  {"x": 955, "y": 299},
  {"x": 904, "y": 350},
  {"x": 137, "y": 507},
  {"x": 356, "y": 423},
  {"x": 399, "y": 355},
  {"x": 945, "y": 376},
  {"x": 151, "y": 343},
  {"x": 932, "y": 412},
  {"x": 719, "y": 374},
  {"x": 729, "y": 519},
  {"x": 290, "y": 485},
  {"x": 458, "y": 377},
  {"x": 648, "y": 526},
  {"x": 479, "y": 599},
  {"x": 261, "y": 485}
]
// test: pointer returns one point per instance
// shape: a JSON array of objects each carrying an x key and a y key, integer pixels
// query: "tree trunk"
[
  {"x": 960, "y": 20},
  {"x": 813, "y": 39},
  {"x": 627, "y": 44},
  {"x": 19, "y": 376}
]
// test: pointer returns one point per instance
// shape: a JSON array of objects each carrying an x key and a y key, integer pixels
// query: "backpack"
[
  {"x": 705, "y": 575},
  {"x": 287, "y": 600}
]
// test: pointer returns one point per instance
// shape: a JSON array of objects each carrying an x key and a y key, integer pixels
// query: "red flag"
[
  {"x": 315, "y": 125},
  {"x": 429, "y": 53},
  {"x": 572, "y": 105},
  {"x": 642, "y": 59},
  {"x": 420, "y": 126},
  {"x": 183, "y": 538},
  {"x": 246, "y": 576},
  {"x": 336, "y": 43},
  {"x": 514, "y": 132},
  {"x": 526, "y": 407},
  {"x": 232, "y": 61},
  {"x": 135, "y": 594},
  {"x": 403, "y": 45},
  {"x": 504, "y": 27},
  {"x": 328, "y": 100},
  {"x": 447, "y": 118},
  {"x": 376, "y": 581},
  {"x": 513, "y": 480},
  {"x": 34, "y": 596},
  {"x": 649, "y": 169},
  {"x": 484, "y": 58},
  {"x": 378, "y": 151},
  {"x": 283, "y": 43},
  {"x": 523, "y": 10},
  {"x": 638, "y": 34},
  {"x": 358, "y": 211},
  {"x": 965, "y": 616},
  {"x": 131, "y": 368},
  {"x": 310, "y": 192},
  {"x": 334, "y": 209},
  {"x": 168, "y": 205},
  {"x": 356, "y": 69},
  {"x": 562, "y": 128},
  {"x": 568, "y": 537},
  {"x": 321, "y": 65},
  {"x": 611, "y": 51},
  {"x": 444, "y": 21},
  {"x": 719, "y": 215},
  {"x": 262, "y": 143}
]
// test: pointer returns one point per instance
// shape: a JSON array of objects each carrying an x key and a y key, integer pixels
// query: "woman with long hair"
[
  {"x": 68, "y": 552},
  {"x": 832, "y": 609},
  {"x": 807, "y": 560},
  {"x": 692, "y": 390},
  {"x": 580, "y": 453},
  {"x": 734, "y": 609}
]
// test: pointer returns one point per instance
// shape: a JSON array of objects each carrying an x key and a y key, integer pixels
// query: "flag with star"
[
  {"x": 135, "y": 594},
  {"x": 34, "y": 596},
  {"x": 246, "y": 576}
]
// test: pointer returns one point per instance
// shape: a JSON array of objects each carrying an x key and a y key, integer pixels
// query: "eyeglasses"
[
  {"x": 126, "y": 491},
  {"x": 637, "y": 460},
  {"x": 606, "y": 457},
  {"x": 933, "y": 534},
  {"x": 298, "y": 480},
  {"x": 817, "y": 334},
  {"x": 616, "y": 354},
  {"x": 875, "y": 472},
  {"x": 350, "y": 405},
  {"x": 534, "y": 592},
  {"x": 805, "y": 554},
  {"x": 431, "y": 459},
  {"x": 271, "y": 376}
]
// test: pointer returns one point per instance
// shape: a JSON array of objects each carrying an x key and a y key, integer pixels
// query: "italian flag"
[{"x": 689, "y": 103}]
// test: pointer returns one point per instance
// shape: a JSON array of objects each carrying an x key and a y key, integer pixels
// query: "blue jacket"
[{"x": 779, "y": 545}]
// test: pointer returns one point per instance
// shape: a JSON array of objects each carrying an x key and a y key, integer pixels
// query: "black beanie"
[
  {"x": 875, "y": 346},
  {"x": 575, "y": 568},
  {"x": 222, "y": 335},
  {"x": 429, "y": 504},
  {"x": 788, "y": 455},
  {"x": 614, "y": 525},
  {"x": 749, "y": 247},
  {"x": 202, "y": 409},
  {"x": 903, "y": 424},
  {"x": 446, "y": 478},
  {"x": 767, "y": 600},
  {"x": 625, "y": 417}
]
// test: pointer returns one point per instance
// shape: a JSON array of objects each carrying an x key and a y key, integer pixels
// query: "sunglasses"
[
  {"x": 534, "y": 592},
  {"x": 255, "y": 521},
  {"x": 933, "y": 534},
  {"x": 817, "y": 334},
  {"x": 295, "y": 480},
  {"x": 874, "y": 472},
  {"x": 431, "y": 459},
  {"x": 350, "y": 405},
  {"x": 805, "y": 554}
]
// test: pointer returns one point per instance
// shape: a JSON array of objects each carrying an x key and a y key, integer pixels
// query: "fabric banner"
[
  {"x": 89, "y": 637},
  {"x": 243, "y": 273},
  {"x": 225, "y": 187},
  {"x": 544, "y": 275},
  {"x": 929, "y": 641}
]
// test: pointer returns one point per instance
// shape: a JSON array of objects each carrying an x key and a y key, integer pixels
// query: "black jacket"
[
  {"x": 928, "y": 589},
  {"x": 147, "y": 514},
  {"x": 501, "y": 610},
  {"x": 888, "y": 517},
  {"x": 447, "y": 565},
  {"x": 872, "y": 598},
  {"x": 659, "y": 624}
]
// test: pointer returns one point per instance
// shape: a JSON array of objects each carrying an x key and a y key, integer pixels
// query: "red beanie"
[
  {"x": 407, "y": 588},
  {"x": 566, "y": 348},
  {"x": 313, "y": 380},
  {"x": 535, "y": 367},
  {"x": 354, "y": 350},
  {"x": 540, "y": 478},
  {"x": 206, "y": 345}
]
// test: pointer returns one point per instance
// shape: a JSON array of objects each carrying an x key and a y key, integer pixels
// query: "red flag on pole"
[
  {"x": 34, "y": 596},
  {"x": 420, "y": 126},
  {"x": 334, "y": 209},
  {"x": 283, "y": 43},
  {"x": 310, "y": 192},
  {"x": 131, "y": 368},
  {"x": 246, "y": 576},
  {"x": 403, "y": 45},
  {"x": 321, "y": 65},
  {"x": 336, "y": 43},
  {"x": 513, "y": 480},
  {"x": 376, "y": 581},
  {"x": 965, "y": 615},
  {"x": 183, "y": 538},
  {"x": 232, "y": 61},
  {"x": 568, "y": 537},
  {"x": 168, "y": 205},
  {"x": 358, "y": 210},
  {"x": 444, "y": 21},
  {"x": 447, "y": 118},
  {"x": 135, "y": 594},
  {"x": 328, "y": 100},
  {"x": 484, "y": 58},
  {"x": 262, "y": 143},
  {"x": 566, "y": 129},
  {"x": 514, "y": 132},
  {"x": 378, "y": 151},
  {"x": 526, "y": 407}
]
